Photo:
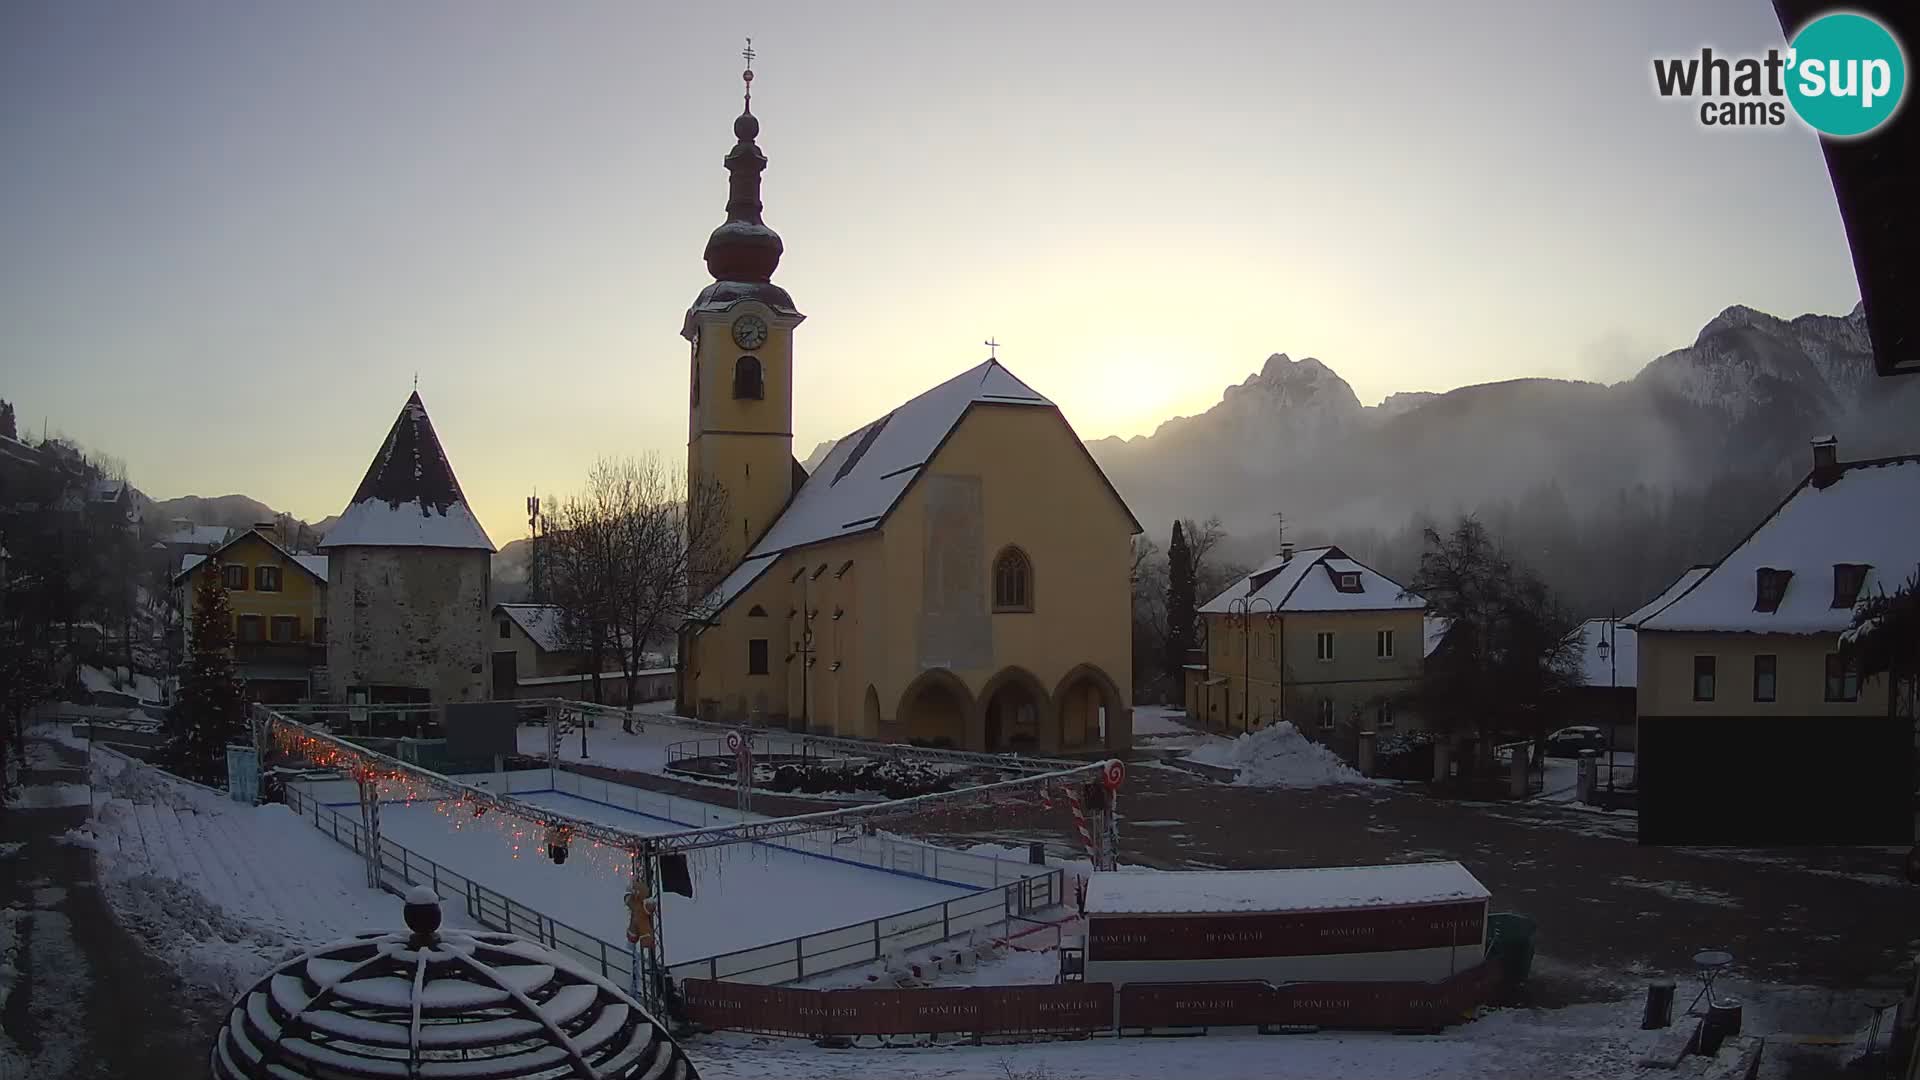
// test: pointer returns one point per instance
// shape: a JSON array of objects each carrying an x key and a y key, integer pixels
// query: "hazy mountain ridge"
[{"x": 1292, "y": 438}]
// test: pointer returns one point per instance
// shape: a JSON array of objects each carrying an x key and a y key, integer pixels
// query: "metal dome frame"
[{"x": 467, "y": 1005}]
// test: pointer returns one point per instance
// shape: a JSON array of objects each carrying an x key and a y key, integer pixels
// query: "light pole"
[
  {"x": 1241, "y": 609},
  {"x": 1610, "y": 653}
]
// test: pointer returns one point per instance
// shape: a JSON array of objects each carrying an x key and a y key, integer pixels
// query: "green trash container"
[{"x": 1510, "y": 944}]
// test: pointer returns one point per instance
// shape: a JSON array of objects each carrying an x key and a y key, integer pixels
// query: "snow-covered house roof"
[
  {"x": 409, "y": 497},
  {"x": 866, "y": 473},
  {"x": 1185, "y": 892},
  {"x": 312, "y": 564},
  {"x": 1621, "y": 666},
  {"x": 1668, "y": 595},
  {"x": 186, "y": 533},
  {"x": 541, "y": 622},
  {"x": 1315, "y": 579},
  {"x": 1838, "y": 538}
]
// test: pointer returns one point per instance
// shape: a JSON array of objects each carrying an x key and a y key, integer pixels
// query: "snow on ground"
[
  {"x": 1154, "y": 720},
  {"x": 743, "y": 894},
  {"x": 61, "y": 983},
  {"x": 1278, "y": 756},
  {"x": 220, "y": 889},
  {"x": 607, "y": 745},
  {"x": 48, "y": 796},
  {"x": 984, "y": 958},
  {"x": 117, "y": 681}
]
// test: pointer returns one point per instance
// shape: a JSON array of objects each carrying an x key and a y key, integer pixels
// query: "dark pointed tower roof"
[
  {"x": 743, "y": 252},
  {"x": 409, "y": 497}
]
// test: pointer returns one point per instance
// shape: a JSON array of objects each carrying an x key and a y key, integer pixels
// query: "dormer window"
[
  {"x": 747, "y": 382},
  {"x": 1349, "y": 583},
  {"x": 1848, "y": 579},
  {"x": 1770, "y": 586}
]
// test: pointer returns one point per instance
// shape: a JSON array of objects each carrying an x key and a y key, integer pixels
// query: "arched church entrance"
[
  {"x": 933, "y": 710},
  {"x": 1015, "y": 705},
  {"x": 1084, "y": 698}
]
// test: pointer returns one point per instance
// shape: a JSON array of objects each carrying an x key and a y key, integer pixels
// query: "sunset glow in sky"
[{"x": 235, "y": 232}]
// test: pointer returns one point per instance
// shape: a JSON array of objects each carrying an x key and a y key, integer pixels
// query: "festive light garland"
[{"x": 421, "y": 785}]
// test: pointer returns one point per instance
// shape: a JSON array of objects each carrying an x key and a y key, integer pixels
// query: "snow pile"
[
  {"x": 120, "y": 681},
  {"x": 221, "y": 890},
  {"x": 1279, "y": 756}
]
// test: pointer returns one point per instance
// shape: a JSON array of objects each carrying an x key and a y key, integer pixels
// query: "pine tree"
[
  {"x": 1180, "y": 614},
  {"x": 210, "y": 711}
]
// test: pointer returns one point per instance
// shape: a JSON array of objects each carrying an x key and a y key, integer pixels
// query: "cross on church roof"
[
  {"x": 747, "y": 75},
  {"x": 993, "y": 349}
]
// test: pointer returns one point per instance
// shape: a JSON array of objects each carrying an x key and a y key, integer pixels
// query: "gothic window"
[
  {"x": 1012, "y": 581},
  {"x": 747, "y": 382}
]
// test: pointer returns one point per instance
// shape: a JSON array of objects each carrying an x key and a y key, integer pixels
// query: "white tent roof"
[
  {"x": 1869, "y": 515},
  {"x": 1173, "y": 892}
]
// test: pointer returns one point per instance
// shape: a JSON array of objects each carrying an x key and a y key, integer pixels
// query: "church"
[{"x": 955, "y": 573}]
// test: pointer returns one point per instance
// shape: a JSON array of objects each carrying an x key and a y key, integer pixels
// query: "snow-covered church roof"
[
  {"x": 1863, "y": 514},
  {"x": 866, "y": 473},
  {"x": 409, "y": 497},
  {"x": 1311, "y": 580}
]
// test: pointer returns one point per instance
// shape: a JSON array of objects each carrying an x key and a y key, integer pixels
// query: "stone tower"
[
  {"x": 740, "y": 407},
  {"x": 409, "y": 573}
]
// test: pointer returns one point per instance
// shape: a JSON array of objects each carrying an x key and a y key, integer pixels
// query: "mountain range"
[{"x": 1293, "y": 438}]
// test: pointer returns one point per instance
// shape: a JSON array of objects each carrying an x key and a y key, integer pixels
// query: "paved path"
[{"x": 91, "y": 1001}]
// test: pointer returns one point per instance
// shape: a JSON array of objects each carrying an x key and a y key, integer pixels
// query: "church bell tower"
[{"x": 740, "y": 431}]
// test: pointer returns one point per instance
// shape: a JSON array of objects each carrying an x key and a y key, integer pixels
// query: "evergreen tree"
[
  {"x": 210, "y": 712},
  {"x": 1180, "y": 601},
  {"x": 1507, "y": 649}
]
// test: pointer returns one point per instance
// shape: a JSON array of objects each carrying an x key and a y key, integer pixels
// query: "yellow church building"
[{"x": 954, "y": 573}]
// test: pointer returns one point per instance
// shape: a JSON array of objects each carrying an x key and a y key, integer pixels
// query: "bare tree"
[{"x": 631, "y": 558}]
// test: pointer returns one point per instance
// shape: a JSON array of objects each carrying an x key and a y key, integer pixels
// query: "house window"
[
  {"x": 266, "y": 578},
  {"x": 506, "y": 629},
  {"x": 747, "y": 382},
  {"x": 319, "y": 631},
  {"x": 1326, "y": 714},
  {"x": 757, "y": 656},
  {"x": 1770, "y": 586},
  {"x": 236, "y": 577},
  {"x": 1847, "y": 581},
  {"x": 250, "y": 628},
  {"x": 1703, "y": 678},
  {"x": 1323, "y": 645},
  {"x": 1384, "y": 716},
  {"x": 1349, "y": 583},
  {"x": 284, "y": 629},
  {"x": 1383, "y": 644},
  {"x": 1843, "y": 678},
  {"x": 1012, "y": 581},
  {"x": 1766, "y": 677}
]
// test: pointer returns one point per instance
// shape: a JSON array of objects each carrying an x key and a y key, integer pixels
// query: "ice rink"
[{"x": 743, "y": 894}]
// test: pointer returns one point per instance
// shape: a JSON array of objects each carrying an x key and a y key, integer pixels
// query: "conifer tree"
[
  {"x": 210, "y": 711},
  {"x": 1180, "y": 601}
]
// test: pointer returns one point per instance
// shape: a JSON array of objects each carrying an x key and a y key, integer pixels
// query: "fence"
[
  {"x": 1006, "y": 890},
  {"x": 1089, "y": 1007}
]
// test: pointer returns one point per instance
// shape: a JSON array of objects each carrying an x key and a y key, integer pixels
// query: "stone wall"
[{"x": 408, "y": 616}]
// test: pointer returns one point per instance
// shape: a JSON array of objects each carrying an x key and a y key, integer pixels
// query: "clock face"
[{"x": 749, "y": 332}]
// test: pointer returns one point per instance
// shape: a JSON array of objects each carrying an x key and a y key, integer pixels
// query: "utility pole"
[{"x": 536, "y": 582}]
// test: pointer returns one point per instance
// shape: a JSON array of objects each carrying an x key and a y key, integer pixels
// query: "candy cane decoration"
[{"x": 1080, "y": 818}]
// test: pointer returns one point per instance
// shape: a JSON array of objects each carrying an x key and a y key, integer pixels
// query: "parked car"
[{"x": 1569, "y": 741}]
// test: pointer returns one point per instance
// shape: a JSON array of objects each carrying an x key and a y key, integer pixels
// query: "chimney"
[
  {"x": 1286, "y": 550},
  {"x": 268, "y": 529},
  {"x": 1826, "y": 460}
]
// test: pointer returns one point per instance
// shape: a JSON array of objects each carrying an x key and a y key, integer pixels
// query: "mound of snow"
[{"x": 1278, "y": 756}]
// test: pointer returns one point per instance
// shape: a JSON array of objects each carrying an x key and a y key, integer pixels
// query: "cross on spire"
[
  {"x": 747, "y": 75},
  {"x": 993, "y": 348}
]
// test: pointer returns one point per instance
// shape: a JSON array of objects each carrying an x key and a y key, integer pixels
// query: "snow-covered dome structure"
[{"x": 429, "y": 1004}]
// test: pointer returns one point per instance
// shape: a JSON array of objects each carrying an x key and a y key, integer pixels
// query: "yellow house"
[
  {"x": 954, "y": 573},
  {"x": 279, "y": 602},
  {"x": 1313, "y": 637},
  {"x": 1753, "y": 727}
]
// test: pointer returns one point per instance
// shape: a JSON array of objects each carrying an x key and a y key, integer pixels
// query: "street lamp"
[
  {"x": 1241, "y": 610},
  {"x": 1610, "y": 631}
]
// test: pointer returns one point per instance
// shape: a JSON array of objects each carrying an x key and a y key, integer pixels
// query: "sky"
[{"x": 235, "y": 233}]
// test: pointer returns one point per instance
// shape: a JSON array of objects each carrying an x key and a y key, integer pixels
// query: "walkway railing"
[{"x": 795, "y": 958}]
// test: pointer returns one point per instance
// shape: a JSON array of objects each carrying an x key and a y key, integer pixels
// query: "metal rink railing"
[{"x": 1005, "y": 893}]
